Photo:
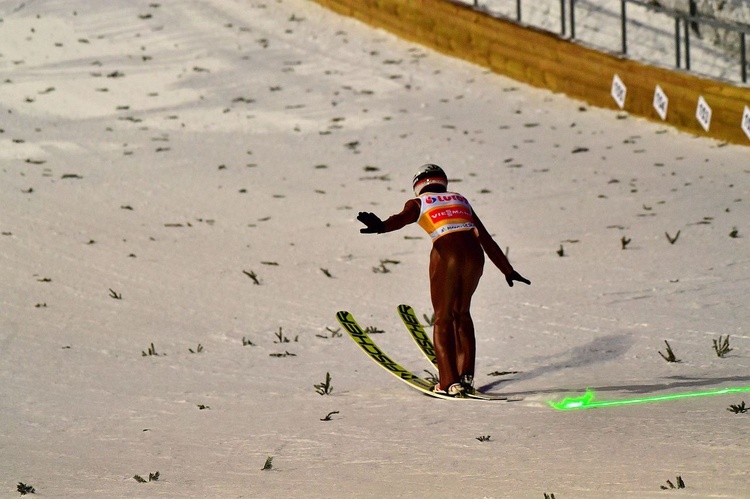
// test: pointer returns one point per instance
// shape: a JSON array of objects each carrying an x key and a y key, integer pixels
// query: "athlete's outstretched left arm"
[
  {"x": 496, "y": 255},
  {"x": 409, "y": 214}
]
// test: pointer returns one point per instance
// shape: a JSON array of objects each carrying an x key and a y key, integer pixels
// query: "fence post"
[
  {"x": 743, "y": 57},
  {"x": 572, "y": 19},
  {"x": 677, "y": 54},
  {"x": 518, "y": 10},
  {"x": 623, "y": 26},
  {"x": 687, "y": 45},
  {"x": 562, "y": 17}
]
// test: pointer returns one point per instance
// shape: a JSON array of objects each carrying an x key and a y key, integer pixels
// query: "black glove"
[
  {"x": 515, "y": 276},
  {"x": 374, "y": 224}
]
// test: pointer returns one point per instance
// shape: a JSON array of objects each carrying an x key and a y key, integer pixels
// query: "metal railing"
[{"x": 684, "y": 23}]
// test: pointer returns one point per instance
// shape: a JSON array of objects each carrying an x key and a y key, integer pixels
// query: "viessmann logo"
[{"x": 448, "y": 213}]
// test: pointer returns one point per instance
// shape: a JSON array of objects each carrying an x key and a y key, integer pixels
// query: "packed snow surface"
[{"x": 179, "y": 181}]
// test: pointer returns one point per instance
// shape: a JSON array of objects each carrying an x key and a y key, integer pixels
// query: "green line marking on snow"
[{"x": 586, "y": 401}]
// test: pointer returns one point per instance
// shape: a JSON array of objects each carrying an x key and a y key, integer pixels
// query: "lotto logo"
[{"x": 445, "y": 198}]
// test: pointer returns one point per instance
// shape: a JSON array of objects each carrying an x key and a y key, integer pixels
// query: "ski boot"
[
  {"x": 467, "y": 383},
  {"x": 455, "y": 390}
]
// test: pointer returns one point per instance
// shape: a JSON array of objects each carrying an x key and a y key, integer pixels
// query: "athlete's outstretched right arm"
[{"x": 408, "y": 215}]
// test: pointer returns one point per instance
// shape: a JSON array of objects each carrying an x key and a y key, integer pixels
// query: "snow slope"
[{"x": 159, "y": 157}]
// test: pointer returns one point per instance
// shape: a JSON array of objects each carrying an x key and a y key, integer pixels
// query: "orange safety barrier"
[{"x": 696, "y": 105}]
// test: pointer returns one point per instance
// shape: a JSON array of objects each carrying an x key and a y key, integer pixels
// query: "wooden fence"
[{"x": 696, "y": 105}]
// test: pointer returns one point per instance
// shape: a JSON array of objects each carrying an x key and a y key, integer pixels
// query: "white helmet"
[{"x": 426, "y": 175}]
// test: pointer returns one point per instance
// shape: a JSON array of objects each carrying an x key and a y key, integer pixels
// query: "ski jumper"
[
  {"x": 456, "y": 265},
  {"x": 443, "y": 213}
]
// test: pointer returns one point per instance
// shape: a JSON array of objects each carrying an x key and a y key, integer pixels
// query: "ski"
[
  {"x": 420, "y": 336},
  {"x": 365, "y": 342},
  {"x": 417, "y": 332}
]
